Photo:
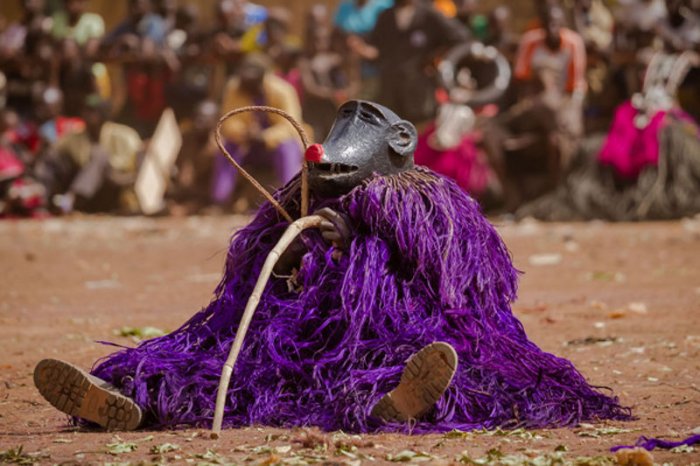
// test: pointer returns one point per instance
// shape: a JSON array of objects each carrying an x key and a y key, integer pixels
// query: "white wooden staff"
[
  {"x": 312, "y": 221},
  {"x": 294, "y": 230}
]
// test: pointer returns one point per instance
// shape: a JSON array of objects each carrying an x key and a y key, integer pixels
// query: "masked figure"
[{"x": 397, "y": 309}]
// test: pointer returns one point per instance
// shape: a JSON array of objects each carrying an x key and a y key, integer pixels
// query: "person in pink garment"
[
  {"x": 629, "y": 148},
  {"x": 632, "y": 144}
]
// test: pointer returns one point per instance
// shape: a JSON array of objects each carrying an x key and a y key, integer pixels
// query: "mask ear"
[{"x": 403, "y": 138}]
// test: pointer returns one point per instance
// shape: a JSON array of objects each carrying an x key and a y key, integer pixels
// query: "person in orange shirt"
[
  {"x": 550, "y": 67},
  {"x": 556, "y": 48},
  {"x": 539, "y": 135}
]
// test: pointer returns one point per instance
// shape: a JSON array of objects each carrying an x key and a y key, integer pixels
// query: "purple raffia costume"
[{"x": 423, "y": 265}]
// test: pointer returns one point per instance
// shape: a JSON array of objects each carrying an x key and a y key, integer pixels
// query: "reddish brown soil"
[{"x": 66, "y": 283}]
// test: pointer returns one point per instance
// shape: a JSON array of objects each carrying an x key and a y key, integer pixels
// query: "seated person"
[
  {"x": 92, "y": 170},
  {"x": 20, "y": 194},
  {"x": 54, "y": 124},
  {"x": 260, "y": 139},
  {"x": 394, "y": 315},
  {"x": 190, "y": 191},
  {"x": 541, "y": 131},
  {"x": 561, "y": 54}
]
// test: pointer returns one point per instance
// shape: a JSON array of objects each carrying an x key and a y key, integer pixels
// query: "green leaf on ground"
[
  {"x": 498, "y": 458},
  {"x": 164, "y": 448},
  {"x": 119, "y": 447},
  {"x": 16, "y": 456},
  {"x": 597, "y": 432},
  {"x": 457, "y": 434},
  {"x": 409, "y": 456},
  {"x": 139, "y": 333},
  {"x": 210, "y": 457}
]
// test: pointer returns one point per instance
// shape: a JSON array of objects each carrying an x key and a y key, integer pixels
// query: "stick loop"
[{"x": 304, "y": 171}]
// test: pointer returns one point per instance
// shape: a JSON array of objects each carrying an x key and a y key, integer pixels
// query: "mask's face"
[{"x": 366, "y": 138}]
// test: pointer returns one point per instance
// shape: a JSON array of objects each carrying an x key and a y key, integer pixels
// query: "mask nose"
[{"x": 314, "y": 153}]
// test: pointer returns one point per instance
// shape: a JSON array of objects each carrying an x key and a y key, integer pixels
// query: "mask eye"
[
  {"x": 368, "y": 117},
  {"x": 347, "y": 111}
]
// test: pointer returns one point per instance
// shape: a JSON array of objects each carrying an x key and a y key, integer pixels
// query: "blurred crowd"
[{"x": 504, "y": 112}]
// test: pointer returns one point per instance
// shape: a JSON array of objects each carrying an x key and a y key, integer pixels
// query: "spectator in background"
[
  {"x": 53, "y": 123},
  {"x": 26, "y": 55},
  {"x": 329, "y": 76},
  {"x": 75, "y": 23},
  {"x": 190, "y": 191},
  {"x": 257, "y": 138},
  {"x": 139, "y": 44},
  {"x": 466, "y": 14},
  {"x": 142, "y": 24},
  {"x": 235, "y": 18},
  {"x": 446, "y": 7},
  {"x": 635, "y": 33},
  {"x": 252, "y": 13},
  {"x": 359, "y": 17},
  {"x": 13, "y": 37},
  {"x": 184, "y": 30},
  {"x": 680, "y": 30},
  {"x": 405, "y": 41},
  {"x": 534, "y": 139},
  {"x": 551, "y": 63},
  {"x": 76, "y": 77},
  {"x": 637, "y": 21},
  {"x": 231, "y": 25},
  {"x": 272, "y": 37},
  {"x": 20, "y": 194},
  {"x": 499, "y": 33},
  {"x": 167, "y": 9},
  {"x": 192, "y": 83},
  {"x": 32, "y": 69},
  {"x": 286, "y": 66},
  {"x": 541, "y": 7},
  {"x": 93, "y": 170},
  {"x": 595, "y": 23},
  {"x": 10, "y": 139}
]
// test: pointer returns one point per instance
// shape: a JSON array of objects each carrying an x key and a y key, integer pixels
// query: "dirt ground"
[{"x": 621, "y": 301}]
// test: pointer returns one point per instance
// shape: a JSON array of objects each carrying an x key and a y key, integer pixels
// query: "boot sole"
[
  {"x": 426, "y": 377},
  {"x": 77, "y": 393}
]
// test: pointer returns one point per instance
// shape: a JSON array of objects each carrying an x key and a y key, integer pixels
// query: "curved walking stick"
[
  {"x": 289, "y": 235},
  {"x": 304, "y": 170}
]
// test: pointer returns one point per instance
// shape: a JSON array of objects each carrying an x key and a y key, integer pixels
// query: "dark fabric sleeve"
[
  {"x": 374, "y": 38},
  {"x": 447, "y": 31}
]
